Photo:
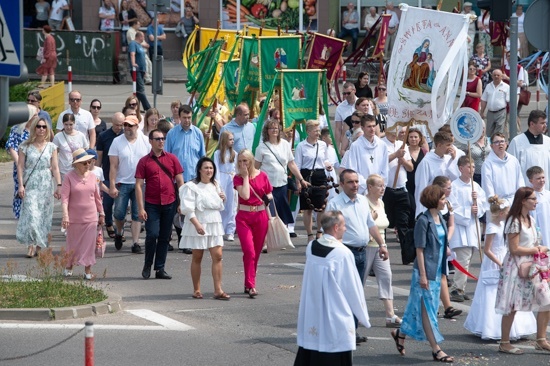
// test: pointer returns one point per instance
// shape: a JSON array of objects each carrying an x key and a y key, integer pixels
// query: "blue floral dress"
[
  {"x": 412, "y": 318},
  {"x": 35, "y": 221},
  {"x": 18, "y": 135}
]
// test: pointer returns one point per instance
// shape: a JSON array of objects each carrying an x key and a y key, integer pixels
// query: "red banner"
[
  {"x": 325, "y": 53},
  {"x": 381, "y": 43},
  {"x": 499, "y": 33}
]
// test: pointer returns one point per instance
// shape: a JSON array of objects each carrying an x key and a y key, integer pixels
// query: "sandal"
[
  {"x": 252, "y": 293},
  {"x": 545, "y": 347},
  {"x": 222, "y": 296},
  {"x": 446, "y": 358},
  {"x": 393, "y": 322},
  {"x": 512, "y": 351},
  {"x": 197, "y": 295},
  {"x": 400, "y": 347},
  {"x": 30, "y": 251},
  {"x": 111, "y": 232},
  {"x": 451, "y": 312}
]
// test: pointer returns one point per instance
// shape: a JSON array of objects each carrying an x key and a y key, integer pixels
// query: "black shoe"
[
  {"x": 170, "y": 248},
  {"x": 466, "y": 297},
  {"x": 146, "y": 273},
  {"x": 293, "y": 235},
  {"x": 360, "y": 339},
  {"x": 118, "y": 242},
  {"x": 136, "y": 249},
  {"x": 451, "y": 312},
  {"x": 162, "y": 275},
  {"x": 186, "y": 251}
]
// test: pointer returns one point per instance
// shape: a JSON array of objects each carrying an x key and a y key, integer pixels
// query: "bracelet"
[
  {"x": 59, "y": 184},
  {"x": 101, "y": 214},
  {"x": 383, "y": 245}
]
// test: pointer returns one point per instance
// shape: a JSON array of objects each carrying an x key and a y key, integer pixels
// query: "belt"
[
  {"x": 392, "y": 27},
  {"x": 396, "y": 189},
  {"x": 251, "y": 208},
  {"x": 500, "y": 110},
  {"x": 357, "y": 249}
]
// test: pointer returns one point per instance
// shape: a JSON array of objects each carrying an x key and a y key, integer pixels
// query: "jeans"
[
  {"x": 126, "y": 192},
  {"x": 354, "y": 33},
  {"x": 398, "y": 209},
  {"x": 361, "y": 264},
  {"x": 140, "y": 90},
  {"x": 158, "y": 228},
  {"x": 108, "y": 203}
]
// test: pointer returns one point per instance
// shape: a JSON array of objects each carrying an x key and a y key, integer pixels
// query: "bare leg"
[
  {"x": 427, "y": 325},
  {"x": 542, "y": 323},
  {"x": 307, "y": 214},
  {"x": 505, "y": 326},
  {"x": 216, "y": 254},
  {"x": 444, "y": 293},
  {"x": 88, "y": 269},
  {"x": 119, "y": 226},
  {"x": 43, "y": 80},
  {"x": 196, "y": 259},
  {"x": 388, "y": 306},
  {"x": 52, "y": 79},
  {"x": 136, "y": 228}
]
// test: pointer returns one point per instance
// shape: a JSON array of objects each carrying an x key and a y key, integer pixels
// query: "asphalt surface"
[{"x": 161, "y": 324}]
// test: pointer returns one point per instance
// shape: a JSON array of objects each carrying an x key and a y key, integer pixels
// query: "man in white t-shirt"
[
  {"x": 124, "y": 155},
  {"x": 84, "y": 120},
  {"x": 56, "y": 13},
  {"x": 343, "y": 111}
]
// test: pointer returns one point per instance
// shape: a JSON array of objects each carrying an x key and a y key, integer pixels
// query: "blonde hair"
[
  {"x": 311, "y": 123},
  {"x": 224, "y": 146},
  {"x": 497, "y": 205},
  {"x": 32, "y": 131},
  {"x": 250, "y": 157},
  {"x": 373, "y": 178}
]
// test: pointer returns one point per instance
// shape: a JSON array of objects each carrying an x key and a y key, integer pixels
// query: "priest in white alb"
[
  {"x": 532, "y": 148},
  {"x": 332, "y": 294}
]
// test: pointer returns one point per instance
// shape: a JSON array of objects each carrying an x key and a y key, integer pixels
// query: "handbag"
[
  {"x": 291, "y": 181},
  {"x": 277, "y": 237},
  {"x": 40, "y": 54},
  {"x": 100, "y": 244},
  {"x": 524, "y": 96},
  {"x": 524, "y": 269},
  {"x": 490, "y": 277}
]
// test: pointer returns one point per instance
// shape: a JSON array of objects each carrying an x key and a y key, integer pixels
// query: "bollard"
[
  {"x": 89, "y": 345},
  {"x": 70, "y": 78},
  {"x": 134, "y": 78},
  {"x": 344, "y": 73}
]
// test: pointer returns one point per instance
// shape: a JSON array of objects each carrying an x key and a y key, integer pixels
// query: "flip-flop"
[
  {"x": 222, "y": 296},
  {"x": 197, "y": 295}
]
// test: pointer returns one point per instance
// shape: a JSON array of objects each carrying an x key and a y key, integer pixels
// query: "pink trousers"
[{"x": 251, "y": 229}]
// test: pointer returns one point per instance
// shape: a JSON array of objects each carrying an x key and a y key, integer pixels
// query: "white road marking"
[
  {"x": 295, "y": 265},
  {"x": 166, "y": 322}
]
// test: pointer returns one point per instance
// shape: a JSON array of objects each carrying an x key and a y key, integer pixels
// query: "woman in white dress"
[
  {"x": 201, "y": 202},
  {"x": 482, "y": 319},
  {"x": 225, "y": 159}
]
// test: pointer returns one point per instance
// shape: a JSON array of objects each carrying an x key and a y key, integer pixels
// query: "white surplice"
[
  {"x": 224, "y": 175},
  {"x": 501, "y": 177},
  {"x": 367, "y": 158},
  {"x": 430, "y": 167},
  {"x": 541, "y": 215},
  {"x": 466, "y": 233},
  {"x": 531, "y": 155},
  {"x": 332, "y": 294}
]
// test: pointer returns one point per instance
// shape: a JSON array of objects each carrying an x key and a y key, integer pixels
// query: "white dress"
[
  {"x": 224, "y": 175},
  {"x": 202, "y": 201},
  {"x": 482, "y": 319}
]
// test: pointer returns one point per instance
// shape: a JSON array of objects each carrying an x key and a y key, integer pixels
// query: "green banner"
[
  {"x": 300, "y": 91},
  {"x": 277, "y": 53},
  {"x": 249, "y": 63}
]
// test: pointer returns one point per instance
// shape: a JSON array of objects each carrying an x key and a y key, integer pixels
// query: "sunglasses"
[
  {"x": 132, "y": 105},
  {"x": 384, "y": 89},
  {"x": 42, "y": 126},
  {"x": 74, "y": 100},
  {"x": 129, "y": 125},
  {"x": 346, "y": 93},
  {"x": 159, "y": 138},
  {"x": 32, "y": 100},
  {"x": 354, "y": 121},
  {"x": 98, "y": 107},
  {"x": 87, "y": 162}
]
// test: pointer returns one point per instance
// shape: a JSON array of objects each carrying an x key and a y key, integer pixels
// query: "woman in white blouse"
[
  {"x": 312, "y": 160},
  {"x": 274, "y": 156}
]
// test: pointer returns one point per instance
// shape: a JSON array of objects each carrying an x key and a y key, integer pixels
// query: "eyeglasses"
[
  {"x": 72, "y": 100},
  {"x": 129, "y": 125},
  {"x": 32, "y": 100},
  {"x": 98, "y": 107},
  {"x": 42, "y": 126},
  {"x": 159, "y": 138},
  {"x": 132, "y": 105},
  {"x": 500, "y": 142},
  {"x": 346, "y": 93},
  {"x": 383, "y": 89}
]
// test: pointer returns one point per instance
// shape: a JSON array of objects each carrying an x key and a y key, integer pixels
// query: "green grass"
[
  {"x": 4, "y": 156},
  {"x": 47, "y": 287}
]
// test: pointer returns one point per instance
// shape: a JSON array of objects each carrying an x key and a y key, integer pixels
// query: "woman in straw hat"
[{"x": 81, "y": 215}]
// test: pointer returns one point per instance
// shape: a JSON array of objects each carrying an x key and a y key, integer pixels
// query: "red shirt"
[
  {"x": 159, "y": 188},
  {"x": 261, "y": 186}
]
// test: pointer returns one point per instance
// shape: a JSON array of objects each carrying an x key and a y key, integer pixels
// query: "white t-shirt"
[
  {"x": 84, "y": 121},
  {"x": 57, "y": 12},
  {"x": 99, "y": 175},
  {"x": 66, "y": 144},
  {"x": 277, "y": 173},
  {"x": 128, "y": 156},
  {"x": 344, "y": 110}
]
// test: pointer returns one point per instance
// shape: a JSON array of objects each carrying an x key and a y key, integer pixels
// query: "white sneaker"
[
  {"x": 67, "y": 273},
  {"x": 230, "y": 237},
  {"x": 88, "y": 276}
]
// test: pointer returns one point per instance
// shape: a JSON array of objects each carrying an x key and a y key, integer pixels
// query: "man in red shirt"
[{"x": 160, "y": 169}]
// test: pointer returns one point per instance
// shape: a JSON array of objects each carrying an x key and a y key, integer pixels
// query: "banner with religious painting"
[
  {"x": 427, "y": 63},
  {"x": 300, "y": 95},
  {"x": 277, "y": 53},
  {"x": 324, "y": 53}
]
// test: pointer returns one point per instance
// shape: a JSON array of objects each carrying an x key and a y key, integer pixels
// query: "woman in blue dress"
[{"x": 430, "y": 239}]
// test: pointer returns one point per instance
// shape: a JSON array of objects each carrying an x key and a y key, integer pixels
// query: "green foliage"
[{"x": 18, "y": 93}]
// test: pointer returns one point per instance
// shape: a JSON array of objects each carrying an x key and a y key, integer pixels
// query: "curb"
[{"x": 112, "y": 304}]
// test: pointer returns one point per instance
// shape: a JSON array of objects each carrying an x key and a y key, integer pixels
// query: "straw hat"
[{"x": 80, "y": 156}]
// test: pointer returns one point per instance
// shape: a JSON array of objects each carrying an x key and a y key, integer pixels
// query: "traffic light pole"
[
  {"x": 512, "y": 126},
  {"x": 10, "y": 113}
]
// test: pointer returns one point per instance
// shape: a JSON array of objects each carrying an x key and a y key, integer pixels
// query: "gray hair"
[{"x": 329, "y": 219}]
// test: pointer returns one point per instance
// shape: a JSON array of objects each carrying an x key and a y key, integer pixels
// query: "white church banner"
[{"x": 428, "y": 60}]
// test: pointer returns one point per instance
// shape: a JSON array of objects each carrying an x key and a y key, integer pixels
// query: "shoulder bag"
[
  {"x": 32, "y": 171},
  {"x": 167, "y": 172},
  {"x": 291, "y": 181}
]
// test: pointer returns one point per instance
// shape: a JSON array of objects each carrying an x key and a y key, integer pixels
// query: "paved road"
[{"x": 163, "y": 325}]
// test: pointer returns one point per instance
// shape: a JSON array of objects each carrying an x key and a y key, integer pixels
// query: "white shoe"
[
  {"x": 67, "y": 273},
  {"x": 88, "y": 276},
  {"x": 230, "y": 237}
]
